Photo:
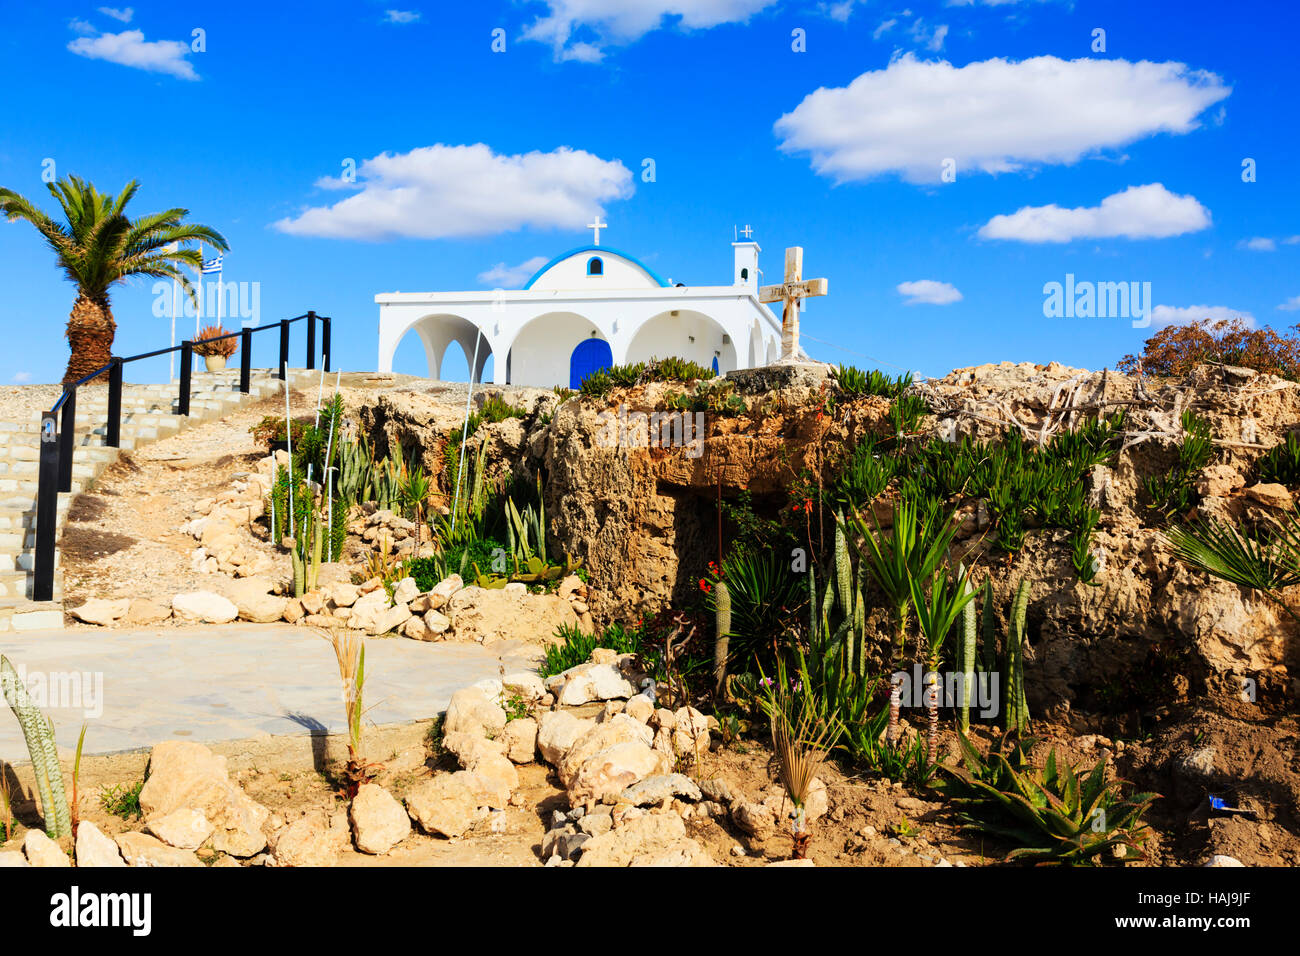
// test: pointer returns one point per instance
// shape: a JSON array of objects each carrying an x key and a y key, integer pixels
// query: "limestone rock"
[
  {"x": 417, "y": 630},
  {"x": 652, "y": 839},
  {"x": 312, "y": 840},
  {"x": 470, "y": 711},
  {"x": 619, "y": 729},
  {"x": 653, "y": 791},
  {"x": 496, "y": 779},
  {"x": 589, "y": 682},
  {"x": 389, "y": 620},
  {"x": 378, "y": 821},
  {"x": 443, "y": 591},
  {"x": 344, "y": 594},
  {"x": 437, "y": 622},
  {"x": 95, "y": 849},
  {"x": 254, "y": 600},
  {"x": 188, "y": 776},
  {"x": 405, "y": 591},
  {"x": 690, "y": 732},
  {"x": 487, "y": 615},
  {"x": 1220, "y": 859},
  {"x": 140, "y": 849},
  {"x": 101, "y": 612},
  {"x": 443, "y": 806},
  {"x": 1271, "y": 496},
  {"x": 367, "y": 609},
  {"x": 521, "y": 740},
  {"x": 526, "y": 684},
  {"x": 204, "y": 607},
  {"x": 142, "y": 612},
  {"x": 42, "y": 851},
  {"x": 557, "y": 732},
  {"x": 755, "y": 819},
  {"x": 184, "y": 827},
  {"x": 12, "y": 858}
]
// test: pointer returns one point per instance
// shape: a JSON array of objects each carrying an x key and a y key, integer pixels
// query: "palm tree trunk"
[{"x": 90, "y": 336}]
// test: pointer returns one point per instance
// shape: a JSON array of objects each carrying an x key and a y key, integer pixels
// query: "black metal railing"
[{"x": 58, "y": 437}]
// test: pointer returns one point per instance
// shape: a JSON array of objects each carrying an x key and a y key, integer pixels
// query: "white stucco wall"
[
  {"x": 571, "y": 273},
  {"x": 540, "y": 353}
]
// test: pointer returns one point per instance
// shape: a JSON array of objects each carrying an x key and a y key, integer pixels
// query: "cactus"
[
  {"x": 38, "y": 731},
  {"x": 966, "y": 657},
  {"x": 722, "y": 631},
  {"x": 1017, "y": 709},
  {"x": 299, "y": 575}
]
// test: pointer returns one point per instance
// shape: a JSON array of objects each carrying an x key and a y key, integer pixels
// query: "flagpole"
[{"x": 171, "y": 356}]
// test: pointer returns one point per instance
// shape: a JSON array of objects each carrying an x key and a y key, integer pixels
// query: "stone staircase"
[{"x": 148, "y": 414}]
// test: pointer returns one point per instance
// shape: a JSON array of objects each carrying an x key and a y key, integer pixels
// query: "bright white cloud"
[
  {"x": 130, "y": 48},
  {"x": 1259, "y": 244},
  {"x": 21, "y": 377},
  {"x": 1139, "y": 212},
  {"x": 124, "y": 14},
  {"x": 401, "y": 16},
  {"x": 1291, "y": 305},
  {"x": 502, "y": 276},
  {"x": 1173, "y": 315},
  {"x": 991, "y": 116},
  {"x": 439, "y": 191},
  {"x": 581, "y": 29},
  {"x": 929, "y": 292}
]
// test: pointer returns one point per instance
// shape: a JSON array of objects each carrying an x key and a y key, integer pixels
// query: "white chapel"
[{"x": 586, "y": 309}]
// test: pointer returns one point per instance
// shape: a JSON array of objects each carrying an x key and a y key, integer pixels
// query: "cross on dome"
[{"x": 597, "y": 226}]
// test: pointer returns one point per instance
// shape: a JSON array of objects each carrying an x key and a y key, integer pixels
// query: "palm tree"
[{"x": 98, "y": 247}]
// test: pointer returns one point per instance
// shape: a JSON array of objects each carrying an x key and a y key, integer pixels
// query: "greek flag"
[{"x": 212, "y": 265}]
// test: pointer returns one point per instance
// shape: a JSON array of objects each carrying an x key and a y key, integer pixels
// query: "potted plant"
[{"x": 214, "y": 349}]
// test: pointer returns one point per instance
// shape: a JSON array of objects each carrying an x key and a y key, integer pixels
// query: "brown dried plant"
[
  {"x": 350, "y": 652},
  {"x": 1177, "y": 349}
]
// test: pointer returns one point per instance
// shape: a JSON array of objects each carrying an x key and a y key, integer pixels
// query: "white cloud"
[
  {"x": 130, "y": 48},
  {"x": 439, "y": 191},
  {"x": 502, "y": 276},
  {"x": 884, "y": 27},
  {"x": 401, "y": 16},
  {"x": 1291, "y": 305},
  {"x": 123, "y": 14},
  {"x": 78, "y": 25},
  {"x": 603, "y": 24},
  {"x": 1291, "y": 240},
  {"x": 21, "y": 377},
  {"x": 932, "y": 40},
  {"x": 929, "y": 292},
  {"x": 1258, "y": 244},
  {"x": 1171, "y": 315},
  {"x": 991, "y": 116},
  {"x": 1139, "y": 212}
]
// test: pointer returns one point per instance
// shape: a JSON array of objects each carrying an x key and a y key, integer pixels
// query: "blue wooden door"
[{"x": 590, "y": 356}]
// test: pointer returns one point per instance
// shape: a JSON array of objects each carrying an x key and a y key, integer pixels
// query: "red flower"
[{"x": 704, "y": 586}]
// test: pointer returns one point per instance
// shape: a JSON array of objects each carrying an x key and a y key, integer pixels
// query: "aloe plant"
[
  {"x": 38, "y": 731},
  {"x": 1056, "y": 814}
]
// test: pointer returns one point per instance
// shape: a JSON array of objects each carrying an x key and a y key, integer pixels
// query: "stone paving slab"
[{"x": 229, "y": 682}]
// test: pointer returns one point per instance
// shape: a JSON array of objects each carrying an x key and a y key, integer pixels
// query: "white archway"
[
  {"x": 437, "y": 332},
  {"x": 540, "y": 352},
  {"x": 686, "y": 334}
]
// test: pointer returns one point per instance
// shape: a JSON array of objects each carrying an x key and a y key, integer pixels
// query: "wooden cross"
[{"x": 791, "y": 292}]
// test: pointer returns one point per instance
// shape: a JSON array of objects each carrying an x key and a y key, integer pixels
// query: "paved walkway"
[{"x": 228, "y": 682}]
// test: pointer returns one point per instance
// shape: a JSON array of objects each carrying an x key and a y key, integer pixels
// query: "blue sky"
[{"x": 1115, "y": 165}]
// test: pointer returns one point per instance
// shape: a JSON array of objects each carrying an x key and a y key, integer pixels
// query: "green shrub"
[
  {"x": 1281, "y": 463},
  {"x": 577, "y": 646},
  {"x": 854, "y": 381},
  {"x": 122, "y": 801}
]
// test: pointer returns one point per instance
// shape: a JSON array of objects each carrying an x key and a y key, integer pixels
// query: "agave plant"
[
  {"x": 98, "y": 246},
  {"x": 1267, "y": 563},
  {"x": 1057, "y": 814}
]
